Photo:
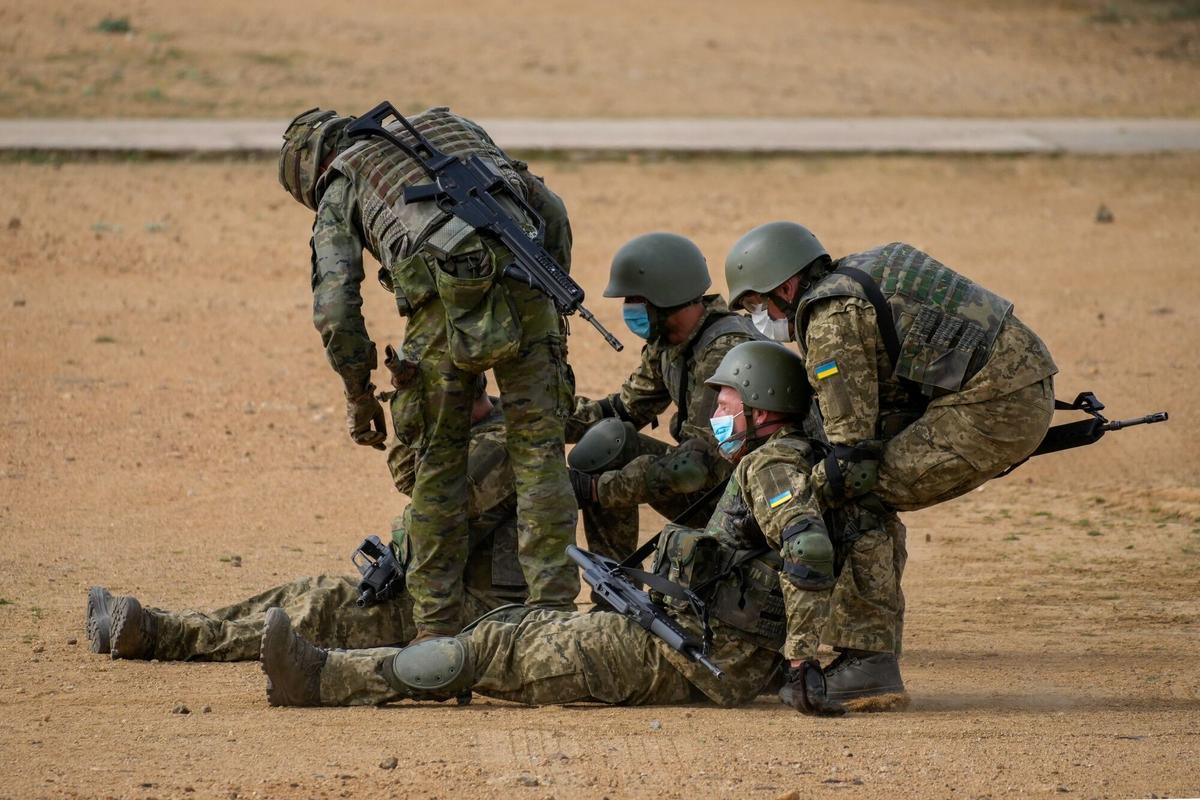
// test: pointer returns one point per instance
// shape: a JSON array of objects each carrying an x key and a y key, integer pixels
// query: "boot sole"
[
  {"x": 99, "y": 620},
  {"x": 125, "y": 636}
]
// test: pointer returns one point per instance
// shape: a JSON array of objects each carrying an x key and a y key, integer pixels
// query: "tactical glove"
[
  {"x": 805, "y": 692},
  {"x": 364, "y": 418},
  {"x": 584, "y": 486}
]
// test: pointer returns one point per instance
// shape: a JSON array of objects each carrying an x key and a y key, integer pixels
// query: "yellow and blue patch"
[
  {"x": 826, "y": 370},
  {"x": 780, "y": 499}
]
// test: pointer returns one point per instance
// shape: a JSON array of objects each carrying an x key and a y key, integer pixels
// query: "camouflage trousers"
[
  {"x": 536, "y": 394},
  {"x": 864, "y": 609},
  {"x": 611, "y": 525},
  {"x": 546, "y": 657},
  {"x": 322, "y": 609},
  {"x": 954, "y": 448}
]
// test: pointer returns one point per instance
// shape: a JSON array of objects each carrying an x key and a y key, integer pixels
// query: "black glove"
[
  {"x": 805, "y": 691},
  {"x": 364, "y": 418},
  {"x": 584, "y": 486}
]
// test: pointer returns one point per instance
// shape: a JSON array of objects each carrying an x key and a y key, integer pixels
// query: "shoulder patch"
[{"x": 826, "y": 369}]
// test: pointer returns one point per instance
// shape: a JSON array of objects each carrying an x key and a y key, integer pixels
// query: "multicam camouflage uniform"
[
  {"x": 669, "y": 479},
  {"x": 540, "y": 657},
  {"x": 431, "y": 262},
  {"x": 323, "y": 607},
  {"x": 984, "y": 393}
]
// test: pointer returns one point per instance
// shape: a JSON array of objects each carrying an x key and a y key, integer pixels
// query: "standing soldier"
[
  {"x": 463, "y": 318},
  {"x": 614, "y": 469}
]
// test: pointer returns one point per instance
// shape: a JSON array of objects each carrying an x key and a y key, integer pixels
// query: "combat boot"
[
  {"x": 292, "y": 665},
  {"x": 865, "y": 681},
  {"x": 98, "y": 623},
  {"x": 134, "y": 630}
]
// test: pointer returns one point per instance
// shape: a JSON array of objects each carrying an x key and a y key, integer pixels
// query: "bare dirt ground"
[
  {"x": 231, "y": 58},
  {"x": 166, "y": 406}
]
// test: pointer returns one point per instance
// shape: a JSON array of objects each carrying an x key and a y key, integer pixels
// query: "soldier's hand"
[
  {"x": 584, "y": 486},
  {"x": 365, "y": 418},
  {"x": 805, "y": 691}
]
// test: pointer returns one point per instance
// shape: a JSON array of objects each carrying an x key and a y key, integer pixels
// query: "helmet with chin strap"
[
  {"x": 767, "y": 256},
  {"x": 308, "y": 142}
]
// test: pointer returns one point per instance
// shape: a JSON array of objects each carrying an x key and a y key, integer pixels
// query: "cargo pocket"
[
  {"x": 482, "y": 326},
  {"x": 408, "y": 415},
  {"x": 411, "y": 280}
]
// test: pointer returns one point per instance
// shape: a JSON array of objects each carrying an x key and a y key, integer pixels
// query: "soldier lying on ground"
[
  {"x": 614, "y": 469},
  {"x": 768, "y": 532},
  {"x": 324, "y": 606}
]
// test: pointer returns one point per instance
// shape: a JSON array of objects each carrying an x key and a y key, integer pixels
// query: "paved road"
[{"x": 823, "y": 135}]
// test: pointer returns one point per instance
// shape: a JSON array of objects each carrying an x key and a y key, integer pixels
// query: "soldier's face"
[{"x": 729, "y": 403}]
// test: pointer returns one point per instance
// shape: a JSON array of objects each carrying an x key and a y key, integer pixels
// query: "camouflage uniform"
[
  {"x": 540, "y": 657},
  {"x": 977, "y": 394},
  {"x": 669, "y": 479},
  {"x": 440, "y": 271},
  {"x": 323, "y": 607}
]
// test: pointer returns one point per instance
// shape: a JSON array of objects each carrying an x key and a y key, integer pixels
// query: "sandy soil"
[
  {"x": 231, "y": 58},
  {"x": 166, "y": 406}
]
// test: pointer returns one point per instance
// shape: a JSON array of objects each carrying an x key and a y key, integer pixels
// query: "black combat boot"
[
  {"x": 865, "y": 681},
  {"x": 134, "y": 630},
  {"x": 98, "y": 625},
  {"x": 804, "y": 690},
  {"x": 293, "y": 666}
]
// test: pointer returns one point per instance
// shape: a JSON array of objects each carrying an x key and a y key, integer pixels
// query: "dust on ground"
[
  {"x": 525, "y": 58},
  {"x": 166, "y": 407}
]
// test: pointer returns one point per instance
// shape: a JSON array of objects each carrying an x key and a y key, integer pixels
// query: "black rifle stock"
[
  {"x": 606, "y": 578},
  {"x": 470, "y": 190},
  {"x": 382, "y": 575}
]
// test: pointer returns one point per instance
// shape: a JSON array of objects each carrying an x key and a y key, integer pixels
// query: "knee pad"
[
  {"x": 436, "y": 669},
  {"x": 609, "y": 444},
  {"x": 807, "y": 554},
  {"x": 683, "y": 471}
]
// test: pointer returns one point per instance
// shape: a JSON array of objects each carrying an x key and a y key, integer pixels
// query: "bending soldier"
[
  {"x": 768, "y": 531},
  {"x": 928, "y": 384},
  {"x": 324, "y": 606},
  {"x": 462, "y": 319},
  {"x": 614, "y": 469}
]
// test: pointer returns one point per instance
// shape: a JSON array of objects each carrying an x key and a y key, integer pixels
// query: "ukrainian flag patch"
[
  {"x": 780, "y": 499},
  {"x": 826, "y": 370}
]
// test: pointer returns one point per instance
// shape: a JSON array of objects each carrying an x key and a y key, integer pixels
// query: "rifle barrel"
[{"x": 1149, "y": 419}]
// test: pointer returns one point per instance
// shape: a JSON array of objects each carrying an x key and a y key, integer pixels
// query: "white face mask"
[{"x": 774, "y": 329}]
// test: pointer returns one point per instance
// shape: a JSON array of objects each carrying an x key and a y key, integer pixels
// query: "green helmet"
[
  {"x": 767, "y": 376},
  {"x": 609, "y": 444},
  {"x": 665, "y": 268},
  {"x": 767, "y": 256},
  {"x": 307, "y": 141}
]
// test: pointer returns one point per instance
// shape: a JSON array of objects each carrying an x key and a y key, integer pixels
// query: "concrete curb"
[{"x": 823, "y": 135}]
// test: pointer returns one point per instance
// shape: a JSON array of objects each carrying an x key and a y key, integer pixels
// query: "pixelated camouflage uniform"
[
  {"x": 323, "y": 608},
  {"x": 668, "y": 478},
  {"x": 977, "y": 392},
  {"x": 424, "y": 252},
  {"x": 541, "y": 657}
]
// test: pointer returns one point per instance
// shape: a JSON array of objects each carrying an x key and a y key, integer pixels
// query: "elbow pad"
[{"x": 807, "y": 554}]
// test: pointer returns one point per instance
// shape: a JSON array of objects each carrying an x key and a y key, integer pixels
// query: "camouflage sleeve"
[
  {"x": 337, "y": 274},
  {"x": 781, "y": 497},
  {"x": 643, "y": 395},
  {"x": 842, "y": 345}
]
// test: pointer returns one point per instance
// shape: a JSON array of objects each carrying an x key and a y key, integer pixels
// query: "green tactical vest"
[
  {"x": 380, "y": 171},
  {"x": 945, "y": 324},
  {"x": 731, "y": 567},
  {"x": 676, "y": 368}
]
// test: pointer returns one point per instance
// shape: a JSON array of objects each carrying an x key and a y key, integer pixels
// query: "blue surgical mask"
[
  {"x": 637, "y": 318},
  {"x": 722, "y": 428}
]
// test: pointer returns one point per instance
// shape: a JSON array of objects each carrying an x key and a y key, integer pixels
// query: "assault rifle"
[
  {"x": 471, "y": 190},
  {"x": 609, "y": 580},
  {"x": 1086, "y": 431},
  {"x": 382, "y": 575}
]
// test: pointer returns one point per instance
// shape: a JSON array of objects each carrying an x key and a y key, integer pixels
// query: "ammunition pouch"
[
  {"x": 483, "y": 327},
  {"x": 740, "y": 587},
  {"x": 411, "y": 280}
]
